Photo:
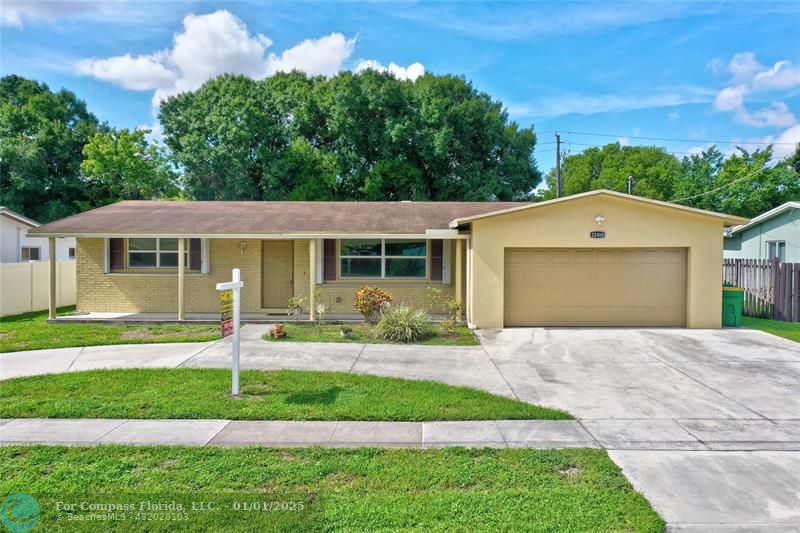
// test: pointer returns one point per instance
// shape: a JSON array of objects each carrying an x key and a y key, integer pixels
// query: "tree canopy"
[
  {"x": 42, "y": 135},
  {"x": 744, "y": 183},
  {"x": 354, "y": 136},
  {"x": 365, "y": 136},
  {"x": 56, "y": 159}
]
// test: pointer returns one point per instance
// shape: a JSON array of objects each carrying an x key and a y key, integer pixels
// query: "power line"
[
  {"x": 726, "y": 185},
  {"x": 600, "y": 146},
  {"x": 676, "y": 140}
]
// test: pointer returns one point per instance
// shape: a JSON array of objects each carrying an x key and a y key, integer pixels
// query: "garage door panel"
[{"x": 595, "y": 287}]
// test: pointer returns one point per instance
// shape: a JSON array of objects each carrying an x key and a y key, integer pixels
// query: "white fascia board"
[
  {"x": 763, "y": 217},
  {"x": 442, "y": 234},
  {"x": 252, "y": 235}
]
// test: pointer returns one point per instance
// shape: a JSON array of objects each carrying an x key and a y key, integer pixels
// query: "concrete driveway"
[{"x": 705, "y": 423}]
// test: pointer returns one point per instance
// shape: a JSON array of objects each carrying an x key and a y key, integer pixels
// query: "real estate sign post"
[{"x": 230, "y": 308}]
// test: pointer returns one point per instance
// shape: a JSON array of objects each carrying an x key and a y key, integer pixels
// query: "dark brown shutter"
[
  {"x": 116, "y": 249},
  {"x": 329, "y": 264},
  {"x": 194, "y": 254},
  {"x": 437, "y": 256}
]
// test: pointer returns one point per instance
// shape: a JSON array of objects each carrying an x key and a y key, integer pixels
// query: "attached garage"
[
  {"x": 596, "y": 259},
  {"x": 595, "y": 287}
]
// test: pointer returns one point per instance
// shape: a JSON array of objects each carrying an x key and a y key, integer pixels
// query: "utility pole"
[{"x": 560, "y": 189}]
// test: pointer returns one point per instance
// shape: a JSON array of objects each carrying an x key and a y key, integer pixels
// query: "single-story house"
[
  {"x": 600, "y": 258},
  {"x": 773, "y": 234},
  {"x": 17, "y": 247}
]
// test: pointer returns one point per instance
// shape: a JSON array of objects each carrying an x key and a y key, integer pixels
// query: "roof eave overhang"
[
  {"x": 428, "y": 234},
  {"x": 727, "y": 220},
  {"x": 763, "y": 217}
]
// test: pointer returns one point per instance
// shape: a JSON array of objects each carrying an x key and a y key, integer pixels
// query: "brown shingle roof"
[{"x": 208, "y": 218}]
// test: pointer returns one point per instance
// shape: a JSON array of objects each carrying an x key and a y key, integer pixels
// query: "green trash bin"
[{"x": 732, "y": 305}]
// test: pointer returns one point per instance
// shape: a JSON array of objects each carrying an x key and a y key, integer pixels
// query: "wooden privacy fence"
[{"x": 771, "y": 288}]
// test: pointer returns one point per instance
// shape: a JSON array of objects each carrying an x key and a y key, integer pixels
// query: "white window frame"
[
  {"x": 382, "y": 257},
  {"x": 205, "y": 263},
  {"x": 38, "y": 252},
  {"x": 158, "y": 251},
  {"x": 780, "y": 250}
]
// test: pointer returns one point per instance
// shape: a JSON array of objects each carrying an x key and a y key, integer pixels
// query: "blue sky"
[{"x": 696, "y": 71}]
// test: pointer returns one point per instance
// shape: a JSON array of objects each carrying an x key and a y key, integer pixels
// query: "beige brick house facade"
[{"x": 137, "y": 290}]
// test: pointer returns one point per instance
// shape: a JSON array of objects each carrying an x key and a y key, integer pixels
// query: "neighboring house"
[
  {"x": 595, "y": 259},
  {"x": 16, "y": 246},
  {"x": 775, "y": 233}
]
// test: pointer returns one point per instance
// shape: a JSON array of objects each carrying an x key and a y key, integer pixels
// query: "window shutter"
[
  {"x": 117, "y": 253},
  {"x": 194, "y": 254},
  {"x": 437, "y": 255},
  {"x": 329, "y": 265},
  {"x": 446, "y": 267}
]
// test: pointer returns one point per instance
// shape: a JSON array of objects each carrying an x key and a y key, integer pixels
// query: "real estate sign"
[
  {"x": 226, "y": 312},
  {"x": 230, "y": 300}
]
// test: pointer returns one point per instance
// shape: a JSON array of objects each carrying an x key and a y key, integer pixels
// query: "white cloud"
[
  {"x": 141, "y": 73},
  {"x": 730, "y": 98},
  {"x": 744, "y": 66},
  {"x": 785, "y": 143},
  {"x": 411, "y": 72},
  {"x": 674, "y": 116},
  {"x": 624, "y": 141},
  {"x": 782, "y": 75},
  {"x": 592, "y": 104},
  {"x": 220, "y": 43},
  {"x": 716, "y": 65},
  {"x": 17, "y": 12},
  {"x": 325, "y": 56},
  {"x": 778, "y": 114},
  {"x": 748, "y": 76}
]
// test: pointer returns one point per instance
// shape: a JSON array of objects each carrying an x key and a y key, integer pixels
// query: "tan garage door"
[{"x": 595, "y": 287}]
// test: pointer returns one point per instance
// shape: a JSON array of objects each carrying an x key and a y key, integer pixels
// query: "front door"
[{"x": 277, "y": 264}]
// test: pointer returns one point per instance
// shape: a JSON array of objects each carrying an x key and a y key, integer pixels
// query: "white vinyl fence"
[{"x": 26, "y": 286}]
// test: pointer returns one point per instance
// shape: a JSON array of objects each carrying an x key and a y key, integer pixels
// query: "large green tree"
[
  {"x": 352, "y": 137},
  {"x": 42, "y": 135},
  {"x": 743, "y": 183},
  {"x": 654, "y": 171},
  {"x": 124, "y": 165}
]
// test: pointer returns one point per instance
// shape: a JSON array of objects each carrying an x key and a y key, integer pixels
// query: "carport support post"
[
  {"x": 181, "y": 273},
  {"x": 52, "y": 302},
  {"x": 312, "y": 279},
  {"x": 459, "y": 274}
]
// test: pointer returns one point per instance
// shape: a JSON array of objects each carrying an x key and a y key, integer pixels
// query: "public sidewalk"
[{"x": 350, "y": 434}]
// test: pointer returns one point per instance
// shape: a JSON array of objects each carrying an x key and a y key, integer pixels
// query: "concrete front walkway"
[{"x": 474, "y": 434}]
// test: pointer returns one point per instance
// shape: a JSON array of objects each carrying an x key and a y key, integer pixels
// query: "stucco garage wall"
[{"x": 628, "y": 224}]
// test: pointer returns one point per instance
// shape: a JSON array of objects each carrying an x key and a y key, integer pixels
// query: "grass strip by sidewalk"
[
  {"x": 30, "y": 331},
  {"x": 265, "y": 395},
  {"x": 365, "y": 334},
  {"x": 337, "y": 489},
  {"x": 787, "y": 330}
]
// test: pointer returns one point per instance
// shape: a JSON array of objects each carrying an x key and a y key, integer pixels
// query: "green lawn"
[
  {"x": 787, "y": 330},
  {"x": 338, "y": 489},
  {"x": 30, "y": 331},
  {"x": 272, "y": 395},
  {"x": 364, "y": 333}
]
